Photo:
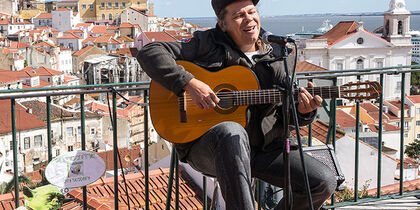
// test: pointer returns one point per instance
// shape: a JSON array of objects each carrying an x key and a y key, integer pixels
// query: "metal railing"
[{"x": 143, "y": 87}]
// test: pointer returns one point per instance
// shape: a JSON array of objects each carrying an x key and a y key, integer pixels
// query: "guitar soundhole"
[{"x": 225, "y": 93}]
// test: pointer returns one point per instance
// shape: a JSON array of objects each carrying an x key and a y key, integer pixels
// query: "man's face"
[{"x": 242, "y": 23}]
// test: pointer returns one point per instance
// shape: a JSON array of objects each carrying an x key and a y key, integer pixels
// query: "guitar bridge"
[{"x": 182, "y": 108}]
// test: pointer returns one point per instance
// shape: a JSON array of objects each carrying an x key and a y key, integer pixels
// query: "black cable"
[{"x": 118, "y": 152}]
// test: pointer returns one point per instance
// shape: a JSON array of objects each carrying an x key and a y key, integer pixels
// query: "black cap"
[{"x": 219, "y": 5}]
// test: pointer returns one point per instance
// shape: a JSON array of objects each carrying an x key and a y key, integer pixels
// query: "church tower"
[{"x": 397, "y": 24}]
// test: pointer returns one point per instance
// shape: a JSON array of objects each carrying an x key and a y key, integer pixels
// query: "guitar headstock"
[{"x": 360, "y": 90}]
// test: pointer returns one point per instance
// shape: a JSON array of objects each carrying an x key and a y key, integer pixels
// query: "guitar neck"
[{"x": 272, "y": 96}]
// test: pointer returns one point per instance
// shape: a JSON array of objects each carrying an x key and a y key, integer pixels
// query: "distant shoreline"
[{"x": 317, "y": 15}]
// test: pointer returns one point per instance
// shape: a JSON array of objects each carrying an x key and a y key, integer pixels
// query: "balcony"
[{"x": 123, "y": 196}]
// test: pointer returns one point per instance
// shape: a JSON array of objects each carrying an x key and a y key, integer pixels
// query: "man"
[{"x": 228, "y": 151}]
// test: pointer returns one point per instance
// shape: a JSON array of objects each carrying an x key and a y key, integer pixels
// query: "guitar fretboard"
[{"x": 270, "y": 96}]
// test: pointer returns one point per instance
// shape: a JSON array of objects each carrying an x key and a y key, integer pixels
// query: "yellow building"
[
  {"x": 414, "y": 101},
  {"x": 112, "y": 9},
  {"x": 87, "y": 10}
]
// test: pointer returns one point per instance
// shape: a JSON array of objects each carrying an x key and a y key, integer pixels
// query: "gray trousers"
[{"x": 224, "y": 152}]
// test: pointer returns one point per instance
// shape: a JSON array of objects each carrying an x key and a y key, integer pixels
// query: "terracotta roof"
[
  {"x": 397, "y": 104},
  {"x": 18, "y": 45},
  {"x": 369, "y": 107},
  {"x": 83, "y": 50},
  {"x": 44, "y": 16},
  {"x": 89, "y": 39},
  {"x": 125, "y": 39},
  {"x": 414, "y": 98},
  {"x": 63, "y": 9},
  {"x": 42, "y": 71},
  {"x": 305, "y": 66},
  {"x": 342, "y": 29},
  {"x": 98, "y": 29},
  {"x": 103, "y": 109},
  {"x": 190, "y": 195},
  {"x": 108, "y": 156},
  {"x": 6, "y": 77},
  {"x": 83, "y": 25},
  {"x": 74, "y": 31},
  {"x": 126, "y": 25},
  {"x": 388, "y": 127},
  {"x": 24, "y": 120},
  {"x": 44, "y": 44},
  {"x": 39, "y": 109},
  {"x": 159, "y": 37},
  {"x": 345, "y": 120},
  {"x": 103, "y": 38},
  {"x": 132, "y": 52},
  {"x": 70, "y": 36},
  {"x": 319, "y": 131}
]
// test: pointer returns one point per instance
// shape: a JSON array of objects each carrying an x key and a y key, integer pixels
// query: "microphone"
[{"x": 268, "y": 38}]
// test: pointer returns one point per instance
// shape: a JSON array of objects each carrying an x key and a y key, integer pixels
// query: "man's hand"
[
  {"x": 307, "y": 102},
  {"x": 202, "y": 95}
]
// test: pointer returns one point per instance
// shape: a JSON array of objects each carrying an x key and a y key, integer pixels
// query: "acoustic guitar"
[{"x": 179, "y": 120}]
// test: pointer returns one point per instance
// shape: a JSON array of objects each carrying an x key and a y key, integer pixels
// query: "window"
[
  {"x": 103, "y": 5},
  {"x": 84, "y": 6},
  {"x": 110, "y": 16},
  {"x": 109, "y": 4},
  {"x": 91, "y": 6},
  {"x": 27, "y": 143},
  {"x": 116, "y": 5},
  {"x": 57, "y": 152},
  {"x": 359, "y": 64},
  {"x": 406, "y": 135},
  {"x": 406, "y": 125},
  {"x": 38, "y": 140},
  {"x": 69, "y": 131},
  {"x": 418, "y": 136},
  {"x": 70, "y": 148},
  {"x": 418, "y": 122},
  {"x": 79, "y": 130},
  {"x": 138, "y": 3},
  {"x": 11, "y": 145},
  {"x": 418, "y": 111},
  {"x": 400, "y": 29},
  {"x": 379, "y": 64},
  {"x": 103, "y": 16},
  {"x": 398, "y": 88},
  {"x": 339, "y": 66},
  {"x": 123, "y": 4},
  {"x": 92, "y": 131}
]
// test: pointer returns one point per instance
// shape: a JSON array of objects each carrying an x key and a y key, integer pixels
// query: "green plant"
[{"x": 348, "y": 194}]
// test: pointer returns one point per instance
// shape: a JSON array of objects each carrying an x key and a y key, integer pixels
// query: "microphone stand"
[{"x": 289, "y": 103}]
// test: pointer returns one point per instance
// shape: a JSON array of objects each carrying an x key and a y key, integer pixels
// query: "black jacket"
[{"x": 214, "y": 50}]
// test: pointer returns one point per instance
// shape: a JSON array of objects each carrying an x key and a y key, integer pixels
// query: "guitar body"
[{"x": 165, "y": 106}]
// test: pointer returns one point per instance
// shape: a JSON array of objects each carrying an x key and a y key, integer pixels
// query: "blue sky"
[{"x": 202, "y": 8}]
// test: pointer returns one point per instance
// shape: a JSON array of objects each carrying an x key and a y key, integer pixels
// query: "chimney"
[{"x": 360, "y": 26}]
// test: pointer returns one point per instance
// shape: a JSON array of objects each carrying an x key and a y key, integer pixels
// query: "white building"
[
  {"x": 64, "y": 60},
  {"x": 13, "y": 25},
  {"x": 350, "y": 46},
  {"x": 64, "y": 19},
  {"x": 43, "y": 20},
  {"x": 416, "y": 49},
  {"x": 70, "y": 40}
]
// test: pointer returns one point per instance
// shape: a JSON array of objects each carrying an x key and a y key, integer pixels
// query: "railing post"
[
  {"x": 310, "y": 129},
  {"x": 402, "y": 133},
  {"x": 204, "y": 192},
  {"x": 146, "y": 148},
  {"x": 356, "y": 152},
  {"x": 115, "y": 147},
  {"x": 171, "y": 179},
  {"x": 49, "y": 141},
  {"x": 83, "y": 140},
  {"x": 15, "y": 151},
  {"x": 381, "y": 107}
]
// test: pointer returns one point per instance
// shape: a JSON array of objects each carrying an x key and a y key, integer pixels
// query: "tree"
[
  {"x": 415, "y": 80},
  {"x": 413, "y": 149},
  {"x": 9, "y": 186}
]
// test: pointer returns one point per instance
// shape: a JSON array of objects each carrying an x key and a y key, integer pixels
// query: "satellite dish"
[{"x": 75, "y": 169}]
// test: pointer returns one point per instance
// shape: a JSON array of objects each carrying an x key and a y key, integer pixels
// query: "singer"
[{"x": 228, "y": 151}]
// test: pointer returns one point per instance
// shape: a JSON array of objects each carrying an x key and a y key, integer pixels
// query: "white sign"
[{"x": 75, "y": 169}]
